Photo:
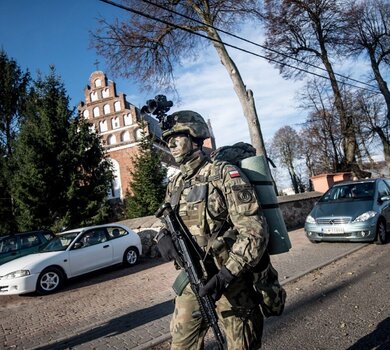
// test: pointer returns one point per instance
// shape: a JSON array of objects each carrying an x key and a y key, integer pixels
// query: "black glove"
[
  {"x": 217, "y": 284},
  {"x": 165, "y": 246}
]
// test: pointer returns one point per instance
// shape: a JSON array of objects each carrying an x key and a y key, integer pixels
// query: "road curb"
[
  {"x": 292, "y": 279},
  {"x": 338, "y": 257}
]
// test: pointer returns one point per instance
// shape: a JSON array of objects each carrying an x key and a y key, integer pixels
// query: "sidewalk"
[{"x": 128, "y": 308}]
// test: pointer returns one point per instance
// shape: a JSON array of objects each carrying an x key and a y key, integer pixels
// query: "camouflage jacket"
[{"x": 212, "y": 197}]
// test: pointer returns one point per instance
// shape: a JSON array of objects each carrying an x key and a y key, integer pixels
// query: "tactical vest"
[{"x": 200, "y": 203}]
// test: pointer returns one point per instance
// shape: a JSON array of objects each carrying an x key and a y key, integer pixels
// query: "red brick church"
[{"x": 116, "y": 121}]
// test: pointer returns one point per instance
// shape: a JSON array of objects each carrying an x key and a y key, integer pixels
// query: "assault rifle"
[{"x": 192, "y": 260}]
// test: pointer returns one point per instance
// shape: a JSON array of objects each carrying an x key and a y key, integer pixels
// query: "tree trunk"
[
  {"x": 245, "y": 96},
  {"x": 346, "y": 122},
  {"x": 381, "y": 82},
  {"x": 386, "y": 145}
]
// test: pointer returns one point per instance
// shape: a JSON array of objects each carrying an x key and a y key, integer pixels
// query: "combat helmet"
[{"x": 187, "y": 122}]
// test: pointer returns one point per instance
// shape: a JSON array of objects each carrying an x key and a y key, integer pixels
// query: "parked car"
[
  {"x": 357, "y": 211},
  {"x": 69, "y": 254},
  {"x": 15, "y": 245}
]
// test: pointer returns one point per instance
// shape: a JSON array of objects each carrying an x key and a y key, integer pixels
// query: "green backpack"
[{"x": 272, "y": 296}]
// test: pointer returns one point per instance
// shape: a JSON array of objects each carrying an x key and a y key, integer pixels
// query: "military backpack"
[{"x": 272, "y": 295}]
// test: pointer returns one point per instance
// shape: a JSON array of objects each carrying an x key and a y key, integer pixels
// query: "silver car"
[{"x": 357, "y": 211}]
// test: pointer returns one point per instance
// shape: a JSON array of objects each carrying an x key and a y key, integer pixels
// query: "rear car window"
[{"x": 116, "y": 232}]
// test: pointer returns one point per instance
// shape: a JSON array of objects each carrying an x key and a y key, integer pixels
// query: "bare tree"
[
  {"x": 368, "y": 34},
  {"x": 150, "y": 50},
  {"x": 310, "y": 31},
  {"x": 322, "y": 125},
  {"x": 285, "y": 145},
  {"x": 370, "y": 111}
]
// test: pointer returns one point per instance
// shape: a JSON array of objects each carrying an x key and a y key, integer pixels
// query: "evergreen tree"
[
  {"x": 90, "y": 176},
  {"x": 56, "y": 184},
  {"x": 148, "y": 179},
  {"x": 13, "y": 87},
  {"x": 7, "y": 222}
]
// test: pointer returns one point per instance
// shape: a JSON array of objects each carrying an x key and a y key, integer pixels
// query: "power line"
[
  {"x": 254, "y": 43},
  {"x": 129, "y": 9}
]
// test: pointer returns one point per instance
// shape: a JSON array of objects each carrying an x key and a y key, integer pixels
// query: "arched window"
[
  {"x": 116, "y": 188},
  {"x": 128, "y": 120},
  {"x": 94, "y": 96},
  {"x": 92, "y": 128},
  {"x": 96, "y": 112},
  {"x": 111, "y": 140},
  {"x": 105, "y": 93},
  {"x": 125, "y": 136},
  {"x": 107, "y": 109},
  {"x": 138, "y": 134},
  {"x": 86, "y": 114},
  {"x": 117, "y": 106},
  {"x": 115, "y": 123},
  {"x": 103, "y": 126},
  {"x": 98, "y": 82}
]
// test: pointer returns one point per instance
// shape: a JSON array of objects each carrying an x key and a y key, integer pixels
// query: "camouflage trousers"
[{"x": 240, "y": 319}]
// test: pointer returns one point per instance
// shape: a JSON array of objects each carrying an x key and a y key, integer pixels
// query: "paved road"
[
  {"x": 123, "y": 308},
  {"x": 345, "y": 305}
]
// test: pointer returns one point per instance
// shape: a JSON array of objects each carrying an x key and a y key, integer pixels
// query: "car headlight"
[
  {"x": 365, "y": 216},
  {"x": 310, "y": 219},
  {"x": 15, "y": 274}
]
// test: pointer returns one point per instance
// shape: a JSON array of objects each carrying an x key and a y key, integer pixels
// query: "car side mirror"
[{"x": 78, "y": 245}]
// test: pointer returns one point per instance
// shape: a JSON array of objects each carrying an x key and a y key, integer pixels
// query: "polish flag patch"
[{"x": 234, "y": 173}]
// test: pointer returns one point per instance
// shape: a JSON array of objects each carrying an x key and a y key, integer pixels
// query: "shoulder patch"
[
  {"x": 234, "y": 173},
  {"x": 245, "y": 196}
]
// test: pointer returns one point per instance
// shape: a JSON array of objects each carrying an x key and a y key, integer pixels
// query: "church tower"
[{"x": 116, "y": 121}]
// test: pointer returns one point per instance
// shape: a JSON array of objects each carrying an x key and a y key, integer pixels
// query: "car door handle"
[{"x": 106, "y": 246}]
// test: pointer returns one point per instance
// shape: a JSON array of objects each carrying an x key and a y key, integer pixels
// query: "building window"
[
  {"x": 96, "y": 112},
  {"x": 115, "y": 190},
  {"x": 128, "y": 120},
  {"x": 117, "y": 106},
  {"x": 103, "y": 126},
  {"x": 86, "y": 114},
  {"x": 138, "y": 135},
  {"x": 98, "y": 82},
  {"x": 115, "y": 123},
  {"x": 125, "y": 136},
  {"x": 111, "y": 140},
  {"x": 92, "y": 128},
  {"x": 106, "y": 93},
  {"x": 94, "y": 96},
  {"x": 107, "y": 109}
]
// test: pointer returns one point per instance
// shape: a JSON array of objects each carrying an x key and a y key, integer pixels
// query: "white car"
[{"x": 69, "y": 254}]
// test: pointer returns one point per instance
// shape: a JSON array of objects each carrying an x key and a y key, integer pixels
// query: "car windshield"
[
  {"x": 354, "y": 191},
  {"x": 59, "y": 242}
]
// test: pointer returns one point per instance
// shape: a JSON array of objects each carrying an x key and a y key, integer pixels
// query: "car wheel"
[
  {"x": 130, "y": 257},
  {"x": 380, "y": 233},
  {"x": 50, "y": 280}
]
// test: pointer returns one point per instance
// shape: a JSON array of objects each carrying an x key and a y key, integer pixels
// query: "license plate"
[{"x": 333, "y": 230}]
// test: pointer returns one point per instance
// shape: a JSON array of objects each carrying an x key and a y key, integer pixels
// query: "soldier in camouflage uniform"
[{"x": 218, "y": 205}]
